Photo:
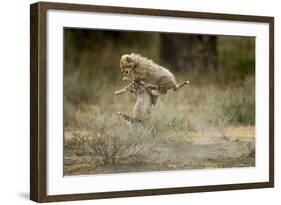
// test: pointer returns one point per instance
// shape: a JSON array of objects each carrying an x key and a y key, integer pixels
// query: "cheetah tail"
[{"x": 128, "y": 118}]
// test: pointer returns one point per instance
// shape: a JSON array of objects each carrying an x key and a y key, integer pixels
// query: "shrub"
[
  {"x": 113, "y": 141},
  {"x": 80, "y": 88},
  {"x": 231, "y": 105},
  {"x": 109, "y": 138},
  {"x": 167, "y": 122}
]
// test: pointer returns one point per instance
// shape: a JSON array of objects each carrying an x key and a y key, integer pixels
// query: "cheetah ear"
[{"x": 128, "y": 59}]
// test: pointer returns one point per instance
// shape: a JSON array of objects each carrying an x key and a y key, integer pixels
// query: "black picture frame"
[{"x": 38, "y": 101}]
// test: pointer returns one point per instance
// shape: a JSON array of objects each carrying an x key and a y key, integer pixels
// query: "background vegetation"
[{"x": 208, "y": 124}]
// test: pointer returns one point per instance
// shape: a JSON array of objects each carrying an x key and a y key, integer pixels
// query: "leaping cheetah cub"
[
  {"x": 144, "y": 103},
  {"x": 135, "y": 67}
]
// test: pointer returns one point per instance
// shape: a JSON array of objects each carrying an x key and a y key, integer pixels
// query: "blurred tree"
[
  {"x": 99, "y": 51},
  {"x": 236, "y": 56},
  {"x": 189, "y": 52}
]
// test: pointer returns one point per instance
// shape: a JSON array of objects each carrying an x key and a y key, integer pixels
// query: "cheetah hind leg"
[
  {"x": 153, "y": 90},
  {"x": 178, "y": 86},
  {"x": 128, "y": 118},
  {"x": 149, "y": 86},
  {"x": 154, "y": 99},
  {"x": 158, "y": 92}
]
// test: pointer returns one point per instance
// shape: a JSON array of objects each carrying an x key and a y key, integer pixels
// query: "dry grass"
[{"x": 189, "y": 129}]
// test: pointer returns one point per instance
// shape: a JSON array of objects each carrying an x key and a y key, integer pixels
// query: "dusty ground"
[{"x": 235, "y": 147}]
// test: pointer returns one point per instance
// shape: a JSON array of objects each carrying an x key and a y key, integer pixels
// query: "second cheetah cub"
[{"x": 143, "y": 105}]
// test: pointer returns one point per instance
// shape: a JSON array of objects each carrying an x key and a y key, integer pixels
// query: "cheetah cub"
[
  {"x": 144, "y": 103},
  {"x": 148, "y": 73}
]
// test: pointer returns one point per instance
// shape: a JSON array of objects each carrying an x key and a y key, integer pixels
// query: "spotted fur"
[
  {"x": 136, "y": 67},
  {"x": 143, "y": 105}
]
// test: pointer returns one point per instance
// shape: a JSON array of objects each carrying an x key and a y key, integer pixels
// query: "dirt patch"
[{"x": 197, "y": 151}]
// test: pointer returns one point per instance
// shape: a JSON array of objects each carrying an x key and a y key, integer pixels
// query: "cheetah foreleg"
[{"x": 123, "y": 90}]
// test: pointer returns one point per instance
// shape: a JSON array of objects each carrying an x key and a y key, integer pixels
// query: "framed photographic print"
[{"x": 134, "y": 102}]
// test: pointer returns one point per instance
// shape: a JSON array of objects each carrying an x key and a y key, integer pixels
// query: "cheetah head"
[{"x": 127, "y": 65}]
